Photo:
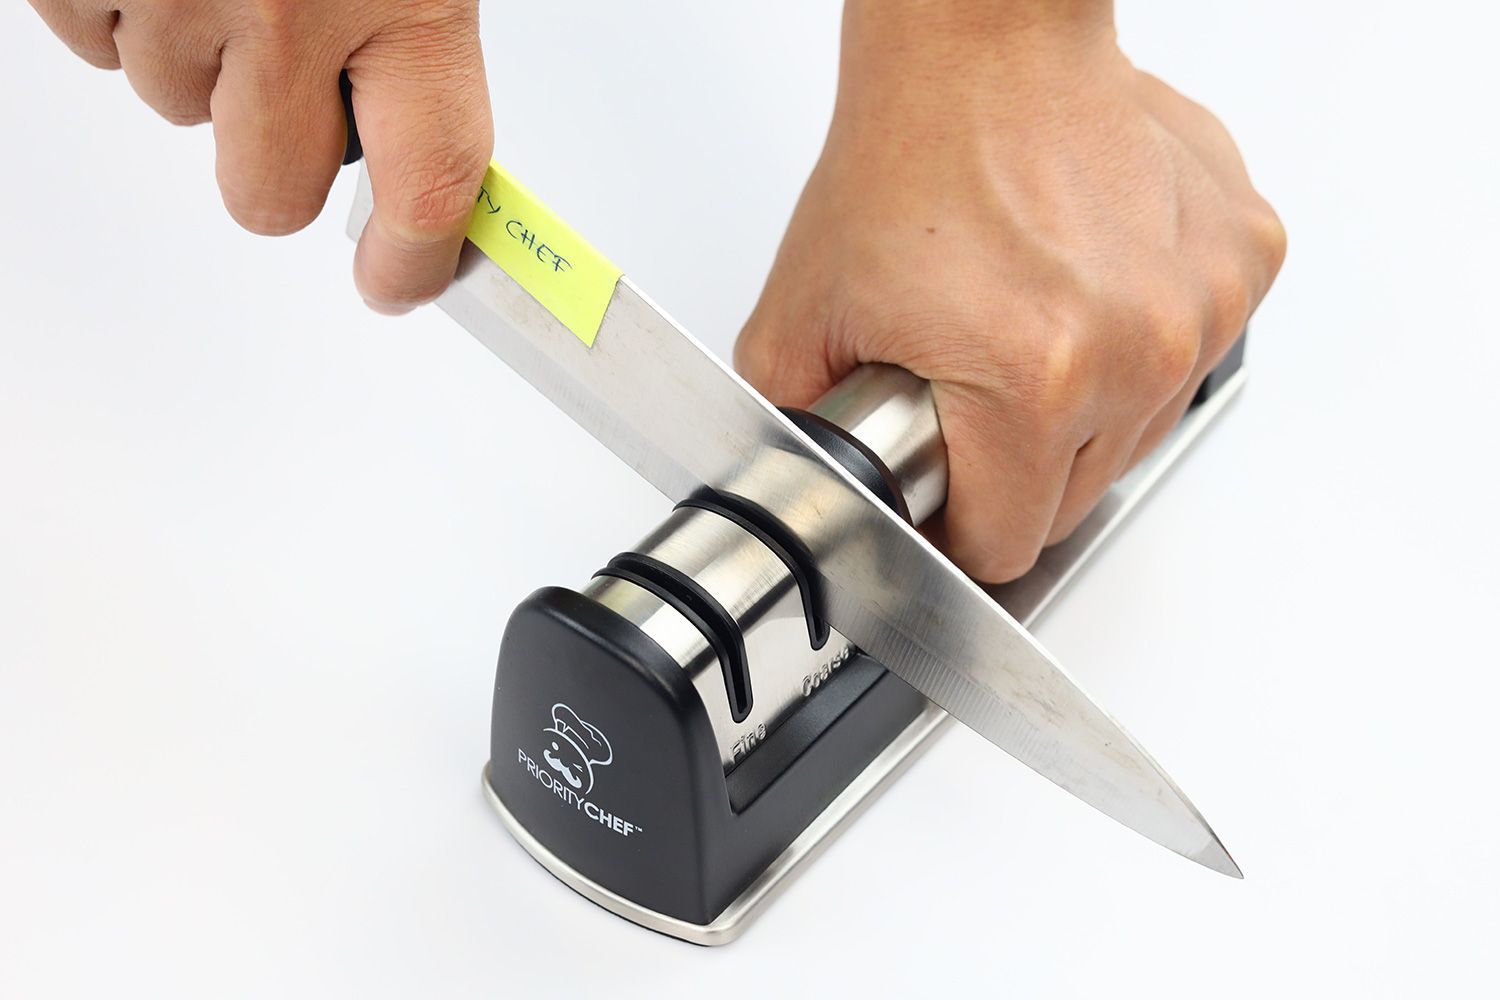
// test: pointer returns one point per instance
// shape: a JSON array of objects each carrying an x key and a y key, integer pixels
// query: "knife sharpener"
[{"x": 680, "y": 737}]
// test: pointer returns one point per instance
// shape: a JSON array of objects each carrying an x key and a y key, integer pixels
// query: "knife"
[{"x": 572, "y": 325}]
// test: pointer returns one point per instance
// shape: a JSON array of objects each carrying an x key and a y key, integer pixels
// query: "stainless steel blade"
[{"x": 676, "y": 414}]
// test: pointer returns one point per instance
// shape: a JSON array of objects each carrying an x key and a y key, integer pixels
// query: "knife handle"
[{"x": 354, "y": 150}]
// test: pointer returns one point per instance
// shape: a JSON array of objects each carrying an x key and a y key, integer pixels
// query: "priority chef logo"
[
  {"x": 573, "y": 749},
  {"x": 576, "y": 748}
]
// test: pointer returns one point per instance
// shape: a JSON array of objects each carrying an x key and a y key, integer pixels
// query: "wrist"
[{"x": 940, "y": 61}]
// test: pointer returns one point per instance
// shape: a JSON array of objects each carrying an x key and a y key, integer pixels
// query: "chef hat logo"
[{"x": 575, "y": 748}]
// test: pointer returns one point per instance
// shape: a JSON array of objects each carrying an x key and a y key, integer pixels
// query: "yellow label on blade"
[{"x": 543, "y": 253}]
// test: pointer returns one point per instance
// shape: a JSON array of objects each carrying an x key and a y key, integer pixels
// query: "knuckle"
[
  {"x": 437, "y": 193},
  {"x": 1229, "y": 296},
  {"x": 1040, "y": 367},
  {"x": 1044, "y": 389},
  {"x": 1174, "y": 358},
  {"x": 1174, "y": 338},
  {"x": 438, "y": 199},
  {"x": 1058, "y": 371},
  {"x": 1269, "y": 235},
  {"x": 276, "y": 21},
  {"x": 174, "y": 92}
]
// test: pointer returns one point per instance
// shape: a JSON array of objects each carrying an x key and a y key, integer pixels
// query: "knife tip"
[{"x": 1215, "y": 856}]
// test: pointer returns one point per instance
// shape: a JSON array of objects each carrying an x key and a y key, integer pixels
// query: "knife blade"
[{"x": 651, "y": 393}]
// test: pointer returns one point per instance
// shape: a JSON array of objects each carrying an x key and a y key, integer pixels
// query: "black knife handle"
[{"x": 353, "y": 149}]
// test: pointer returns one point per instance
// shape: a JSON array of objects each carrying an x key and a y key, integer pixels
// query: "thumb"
[{"x": 424, "y": 117}]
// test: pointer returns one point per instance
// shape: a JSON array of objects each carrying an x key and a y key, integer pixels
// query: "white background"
[{"x": 257, "y": 546}]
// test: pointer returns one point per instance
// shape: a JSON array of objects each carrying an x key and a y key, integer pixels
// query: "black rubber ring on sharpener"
[
  {"x": 852, "y": 453},
  {"x": 698, "y": 606},
  {"x": 860, "y": 462},
  {"x": 757, "y": 521}
]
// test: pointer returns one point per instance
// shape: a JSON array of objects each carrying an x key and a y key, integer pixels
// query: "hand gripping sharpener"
[{"x": 680, "y": 737}]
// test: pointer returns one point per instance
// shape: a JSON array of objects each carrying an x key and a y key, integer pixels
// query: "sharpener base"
[{"x": 738, "y": 915}]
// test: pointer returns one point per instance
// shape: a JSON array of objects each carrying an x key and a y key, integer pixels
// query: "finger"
[
  {"x": 1182, "y": 347},
  {"x": 171, "y": 64},
  {"x": 279, "y": 128},
  {"x": 87, "y": 29},
  {"x": 1096, "y": 466},
  {"x": 424, "y": 117},
  {"x": 789, "y": 370},
  {"x": 1007, "y": 472},
  {"x": 1160, "y": 425},
  {"x": 1228, "y": 303}
]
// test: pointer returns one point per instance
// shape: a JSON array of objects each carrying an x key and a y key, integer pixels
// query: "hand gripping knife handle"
[{"x": 680, "y": 735}]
